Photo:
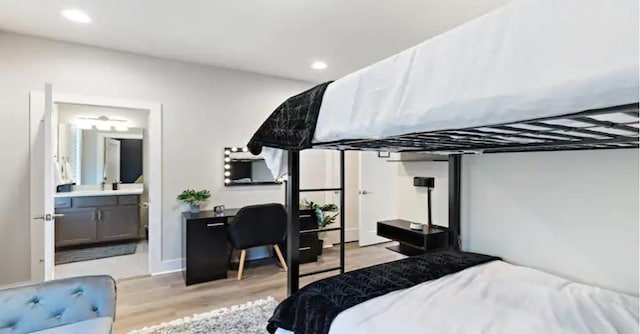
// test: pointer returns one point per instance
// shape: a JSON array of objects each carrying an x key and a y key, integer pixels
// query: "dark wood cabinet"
[
  {"x": 115, "y": 223},
  {"x": 96, "y": 219},
  {"x": 78, "y": 226},
  {"x": 205, "y": 247}
]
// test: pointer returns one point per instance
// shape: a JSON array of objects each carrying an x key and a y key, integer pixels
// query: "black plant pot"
[{"x": 320, "y": 246}]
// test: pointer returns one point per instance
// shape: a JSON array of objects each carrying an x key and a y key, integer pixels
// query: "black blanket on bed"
[
  {"x": 292, "y": 125},
  {"x": 312, "y": 309}
]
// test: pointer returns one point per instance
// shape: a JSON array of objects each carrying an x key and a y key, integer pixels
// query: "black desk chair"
[{"x": 258, "y": 225}]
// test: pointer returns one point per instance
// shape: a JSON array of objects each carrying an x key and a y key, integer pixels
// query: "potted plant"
[
  {"x": 194, "y": 198},
  {"x": 326, "y": 215}
]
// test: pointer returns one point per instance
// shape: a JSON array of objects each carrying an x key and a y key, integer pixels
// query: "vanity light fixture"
[
  {"x": 83, "y": 124},
  {"x": 76, "y": 15},
  {"x": 122, "y": 128},
  {"x": 227, "y": 181},
  {"x": 227, "y": 152},
  {"x": 244, "y": 149},
  {"x": 227, "y": 166},
  {"x": 103, "y": 126},
  {"x": 102, "y": 123},
  {"x": 227, "y": 159},
  {"x": 227, "y": 173},
  {"x": 234, "y": 149}
]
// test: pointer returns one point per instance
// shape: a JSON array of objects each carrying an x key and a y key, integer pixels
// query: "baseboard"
[
  {"x": 168, "y": 266},
  {"x": 351, "y": 234}
]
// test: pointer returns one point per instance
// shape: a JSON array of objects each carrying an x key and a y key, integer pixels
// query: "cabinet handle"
[
  {"x": 305, "y": 248},
  {"x": 99, "y": 214},
  {"x": 305, "y": 216},
  {"x": 95, "y": 215},
  {"x": 215, "y": 224}
]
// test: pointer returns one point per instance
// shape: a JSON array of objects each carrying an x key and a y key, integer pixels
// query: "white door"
[
  {"x": 43, "y": 134},
  {"x": 111, "y": 160},
  {"x": 378, "y": 195}
]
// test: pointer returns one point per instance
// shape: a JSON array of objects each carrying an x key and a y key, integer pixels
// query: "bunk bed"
[{"x": 522, "y": 78}]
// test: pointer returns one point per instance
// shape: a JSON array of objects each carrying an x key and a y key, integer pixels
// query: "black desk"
[
  {"x": 205, "y": 249},
  {"x": 413, "y": 242}
]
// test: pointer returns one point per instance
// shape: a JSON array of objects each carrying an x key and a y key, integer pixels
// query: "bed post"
[
  {"x": 342, "y": 211},
  {"x": 293, "y": 222},
  {"x": 455, "y": 168}
]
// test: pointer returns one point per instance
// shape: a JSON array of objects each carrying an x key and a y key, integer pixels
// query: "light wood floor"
[{"x": 150, "y": 300}]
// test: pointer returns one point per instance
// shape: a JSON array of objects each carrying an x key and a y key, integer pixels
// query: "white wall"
[
  {"x": 412, "y": 203},
  {"x": 204, "y": 110},
  {"x": 574, "y": 214}
]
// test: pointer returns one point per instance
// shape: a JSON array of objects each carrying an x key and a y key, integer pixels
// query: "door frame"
[{"x": 153, "y": 181}]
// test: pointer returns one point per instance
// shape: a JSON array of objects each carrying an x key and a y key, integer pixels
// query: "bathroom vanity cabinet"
[{"x": 96, "y": 219}]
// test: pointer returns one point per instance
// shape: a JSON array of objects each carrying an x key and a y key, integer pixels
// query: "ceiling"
[{"x": 276, "y": 37}]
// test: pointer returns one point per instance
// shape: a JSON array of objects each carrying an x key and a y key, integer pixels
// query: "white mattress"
[
  {"x": 529, "y": 59},
  {"x": 493, "y": 298}
]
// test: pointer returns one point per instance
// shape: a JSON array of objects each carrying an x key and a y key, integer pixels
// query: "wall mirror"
[
  {"x": 241, "y": 168},
  {"x": 94, "y": 148}
]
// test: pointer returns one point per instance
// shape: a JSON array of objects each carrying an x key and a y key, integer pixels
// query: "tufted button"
[
  {"x": 94, "y": 309},
  {"x": 35, "y": 300}
]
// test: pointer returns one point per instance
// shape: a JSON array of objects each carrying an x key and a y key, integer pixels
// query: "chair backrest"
[
  {"x": 258, "y": 225},
  {"x": 40, "y": 306}
]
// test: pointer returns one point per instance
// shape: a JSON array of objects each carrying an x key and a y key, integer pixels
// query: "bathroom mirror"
[
  {"x": 96, "y": 146},
  {"x": 241, "y": 168}
]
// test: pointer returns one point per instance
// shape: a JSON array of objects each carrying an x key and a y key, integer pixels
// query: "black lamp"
[{"x": 429, "y": 183}]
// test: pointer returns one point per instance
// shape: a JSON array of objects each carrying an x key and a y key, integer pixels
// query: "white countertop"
[{"x": 106, "y": 192}]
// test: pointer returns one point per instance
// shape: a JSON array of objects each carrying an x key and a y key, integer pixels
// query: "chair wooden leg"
[
  {"x": 282, "y": 261},
  {"x": 243, "y": 255}
]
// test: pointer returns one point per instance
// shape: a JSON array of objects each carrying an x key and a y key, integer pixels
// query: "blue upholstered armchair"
[{"x": 84, "y": 304}]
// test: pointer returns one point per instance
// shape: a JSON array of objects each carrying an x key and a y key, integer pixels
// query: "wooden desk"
[{"x": 413, "y": 242}]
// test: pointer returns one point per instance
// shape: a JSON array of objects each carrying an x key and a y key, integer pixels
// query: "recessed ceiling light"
[
  {"x": 76, "y": 15},
  {"x": 319, "y": 65}
]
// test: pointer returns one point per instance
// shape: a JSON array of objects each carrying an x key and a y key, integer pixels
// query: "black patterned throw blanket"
[
  {"x": 312, "y": 309},
  {"x": 292, "y": 125}
]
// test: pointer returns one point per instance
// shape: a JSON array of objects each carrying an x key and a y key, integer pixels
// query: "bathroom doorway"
[
  {"x": 100, "y": 191},
  {"x": 106, "y": 167}
]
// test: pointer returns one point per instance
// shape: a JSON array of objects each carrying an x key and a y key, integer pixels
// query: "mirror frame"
[{"x": 227, "y": 171}]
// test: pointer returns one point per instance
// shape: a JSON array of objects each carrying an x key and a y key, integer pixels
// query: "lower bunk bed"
[{"x": 453, "y": 292}]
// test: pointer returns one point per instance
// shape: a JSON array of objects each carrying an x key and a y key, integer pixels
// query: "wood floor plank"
[{"x": 151, "y": 300}]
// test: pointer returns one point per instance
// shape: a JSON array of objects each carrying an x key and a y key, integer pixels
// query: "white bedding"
[
  {"x": 493, "y": 298},
  {"x": 526, "y": 60},
  {"x": 529, "y": 59}
]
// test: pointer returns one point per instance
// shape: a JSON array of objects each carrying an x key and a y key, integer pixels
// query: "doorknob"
[
  {"x": 363, "y": 192},
  {"x": 49, "y": 217}
]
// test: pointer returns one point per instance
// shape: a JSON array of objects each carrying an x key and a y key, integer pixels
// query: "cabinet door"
[
  {"x": 207, "y": 250},
  {"x": 78, "y": 226},
  {"x": 118, "y": 222}
]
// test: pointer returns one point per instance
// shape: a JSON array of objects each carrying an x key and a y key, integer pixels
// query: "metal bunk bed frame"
[{"x": 607, "y": 128}]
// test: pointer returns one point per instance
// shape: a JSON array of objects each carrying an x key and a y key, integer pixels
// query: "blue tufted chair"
[{"x": 85, "y": 304}]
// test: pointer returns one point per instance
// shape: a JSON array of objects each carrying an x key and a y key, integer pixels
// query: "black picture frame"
[{"x": 218, "y": 208}]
